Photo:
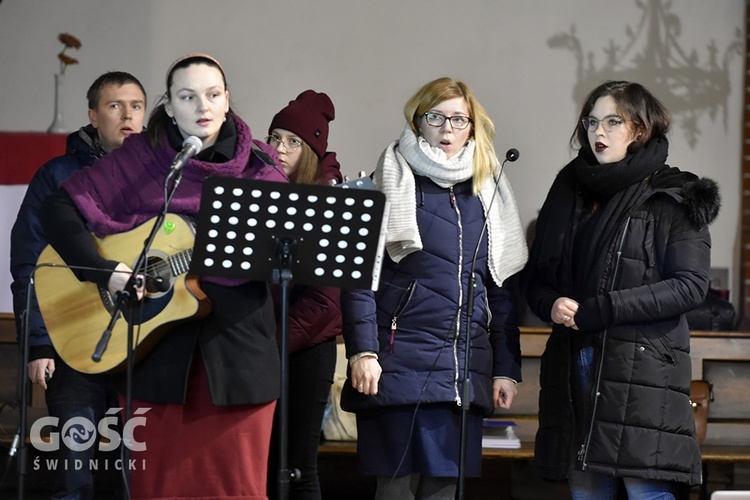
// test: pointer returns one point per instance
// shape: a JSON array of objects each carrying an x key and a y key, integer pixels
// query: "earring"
[
  {"x": 225, "y": 118},
  {"x": 174, "y": 122}
]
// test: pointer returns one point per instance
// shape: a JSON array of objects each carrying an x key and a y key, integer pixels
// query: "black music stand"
[{"x": 270, "y": 231}]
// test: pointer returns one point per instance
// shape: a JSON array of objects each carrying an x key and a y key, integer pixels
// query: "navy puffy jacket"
[
  {"x": 416, "y": 322},
  {"x": 27, "y": 237}
]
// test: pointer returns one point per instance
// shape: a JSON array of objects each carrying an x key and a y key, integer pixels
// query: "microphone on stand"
[
  {"x": 510, "y": 156},
  {"x": 190, "y": 147}
]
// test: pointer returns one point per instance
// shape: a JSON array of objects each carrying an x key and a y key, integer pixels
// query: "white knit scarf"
[{"x": 394, "y": 176}]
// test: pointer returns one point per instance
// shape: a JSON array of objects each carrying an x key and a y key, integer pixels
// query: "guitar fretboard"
[{"x": 180, "y": 262}]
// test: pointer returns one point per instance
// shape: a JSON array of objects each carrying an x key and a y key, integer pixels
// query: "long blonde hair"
[{"x": 482, "y": 128}]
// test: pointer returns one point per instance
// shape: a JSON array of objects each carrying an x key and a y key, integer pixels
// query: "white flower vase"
[{"x": 58, "y": 124}]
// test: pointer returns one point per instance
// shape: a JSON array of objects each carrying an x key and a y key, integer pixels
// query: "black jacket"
[{"x": 656, "y": 268}]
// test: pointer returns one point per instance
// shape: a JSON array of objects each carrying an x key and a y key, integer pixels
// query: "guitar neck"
[{"x": 179, "y": 263}]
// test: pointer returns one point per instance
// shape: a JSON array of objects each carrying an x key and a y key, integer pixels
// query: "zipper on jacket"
[
  {"x": 649, "y": 244},
  {"x": 456, "y": 377},
  {"x": 488, "y": 311},
  {"x": 585, "y": 445},
  {"x": 405, "y": 299},
  {"x": 668, "y": 353}
]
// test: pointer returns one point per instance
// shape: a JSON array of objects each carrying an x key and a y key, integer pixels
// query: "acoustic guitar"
[{"x": 76, "y": 313}]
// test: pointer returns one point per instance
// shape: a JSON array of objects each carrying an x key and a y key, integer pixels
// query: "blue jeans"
[
  {"x": 592, "y": 486},
  {"x": 582, "y": 372},
  {"x": 72, "y": 394}
]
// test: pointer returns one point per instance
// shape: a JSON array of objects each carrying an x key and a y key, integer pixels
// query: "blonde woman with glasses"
[{"x": 407, "y": 342}]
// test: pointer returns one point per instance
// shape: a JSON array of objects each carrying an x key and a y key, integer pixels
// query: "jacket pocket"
[
  {"x": 401, "y": 306},
  {"x": 661, "y": 348}
]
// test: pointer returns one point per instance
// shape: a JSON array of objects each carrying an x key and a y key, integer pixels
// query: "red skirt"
[{"x": 198, "y": 450}]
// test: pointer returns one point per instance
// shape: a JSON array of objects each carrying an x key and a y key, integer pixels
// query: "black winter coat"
[{"x": 656, "y": 269}]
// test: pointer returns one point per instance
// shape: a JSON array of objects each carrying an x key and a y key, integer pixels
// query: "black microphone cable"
[{"x": 448, "y": 339}]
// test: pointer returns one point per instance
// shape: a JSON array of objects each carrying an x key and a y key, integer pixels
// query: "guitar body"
[{"x": 76, "y": 313}]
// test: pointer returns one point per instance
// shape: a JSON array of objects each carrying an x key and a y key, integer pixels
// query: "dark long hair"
[{"x": 648, "y": 116}]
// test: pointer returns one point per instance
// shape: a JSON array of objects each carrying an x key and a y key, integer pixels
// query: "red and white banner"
[{"x": 21, "y": 155}]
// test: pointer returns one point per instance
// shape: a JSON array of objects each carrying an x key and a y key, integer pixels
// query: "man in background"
[{"x": 117, "y": 108}]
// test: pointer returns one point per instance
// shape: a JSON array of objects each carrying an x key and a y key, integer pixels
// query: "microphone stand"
[
  {"x": 123, "y": 298},
  {"x": 466, "y": 392},
  {"x": 19, "y": 441},
  {"x": 21, "y": 436},
  {"x": 283, "y": 275}
]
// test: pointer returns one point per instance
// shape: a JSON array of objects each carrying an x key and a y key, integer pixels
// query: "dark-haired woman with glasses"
[
  {"x": 299, "y": 134},
  {"x": 406, "y": 343},
  {"x": 622, "y": 251}
]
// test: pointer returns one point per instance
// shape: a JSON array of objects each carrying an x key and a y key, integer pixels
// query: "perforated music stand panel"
[{"x": 337, "y": 234}]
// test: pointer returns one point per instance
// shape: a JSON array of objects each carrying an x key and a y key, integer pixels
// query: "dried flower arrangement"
[{"x": 69, "y": 42}]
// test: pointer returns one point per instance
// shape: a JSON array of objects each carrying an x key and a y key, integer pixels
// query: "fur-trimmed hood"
[
  {"x": 703, "y": 201},
  {"x": 699, "y": 195}
]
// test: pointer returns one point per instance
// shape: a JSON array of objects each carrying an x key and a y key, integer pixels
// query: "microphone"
[
  {"x": 190, "y": 147},
  {"x": 511, "y": 155}
]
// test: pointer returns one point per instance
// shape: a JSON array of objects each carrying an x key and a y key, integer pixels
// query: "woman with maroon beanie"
[{"x": 299, "y": 133}]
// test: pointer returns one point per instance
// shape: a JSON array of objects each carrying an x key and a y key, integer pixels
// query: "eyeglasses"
[
  {"x": 290, "y": 144},
  {"x": 608, "y": 123},
  {"x": 458, "y": 122}
]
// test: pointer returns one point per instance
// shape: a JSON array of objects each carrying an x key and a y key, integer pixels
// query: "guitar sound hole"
[{"x": 158, "y": 277}]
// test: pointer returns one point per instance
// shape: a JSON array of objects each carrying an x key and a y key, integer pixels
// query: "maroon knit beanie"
[{"x": 307, "y": 116}]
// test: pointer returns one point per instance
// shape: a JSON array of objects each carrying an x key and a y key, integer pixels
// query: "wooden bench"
[{"x": 349, "y": 449}]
